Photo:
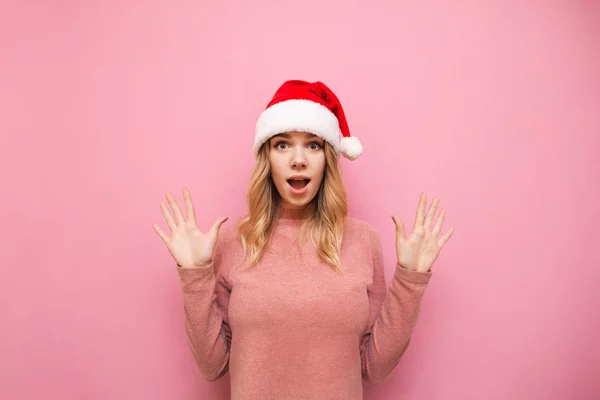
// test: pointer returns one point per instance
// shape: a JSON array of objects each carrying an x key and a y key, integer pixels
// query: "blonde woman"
[{"x": 291, "y": 299}]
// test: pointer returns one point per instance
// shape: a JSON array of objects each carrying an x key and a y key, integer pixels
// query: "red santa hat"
[{"x": 307, "y": 107}]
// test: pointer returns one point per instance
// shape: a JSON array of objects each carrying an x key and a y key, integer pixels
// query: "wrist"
[
  {"x": 398, "y": 265},
  {"x": 195, "y": 266}
]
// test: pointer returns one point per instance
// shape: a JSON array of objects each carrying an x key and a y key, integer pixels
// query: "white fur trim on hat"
[{"x": 302, "y": 116}]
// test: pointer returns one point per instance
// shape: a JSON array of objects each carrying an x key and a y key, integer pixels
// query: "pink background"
[{"x": 492, "y": 106}]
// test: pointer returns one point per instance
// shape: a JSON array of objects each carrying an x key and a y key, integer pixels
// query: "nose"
[{"x": 298, "y": 159}]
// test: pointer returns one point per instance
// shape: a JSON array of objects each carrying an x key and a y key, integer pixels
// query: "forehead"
[{"x": 296, "y": 135}]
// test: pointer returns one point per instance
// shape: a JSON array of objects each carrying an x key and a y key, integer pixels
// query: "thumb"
[
  {"x": 214, "y": 230},
  {"x": 400, "y": 232}
]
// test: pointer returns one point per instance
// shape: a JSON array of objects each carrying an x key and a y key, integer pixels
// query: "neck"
[{"x": 296, "y": 213}]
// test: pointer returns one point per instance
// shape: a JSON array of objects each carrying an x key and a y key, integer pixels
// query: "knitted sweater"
[{"x": 292, "y": 328}]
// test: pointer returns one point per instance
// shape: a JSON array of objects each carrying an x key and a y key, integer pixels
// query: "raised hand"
[
  {"x": 188, "y": 245},
  {"x": 418, "y": 251}
]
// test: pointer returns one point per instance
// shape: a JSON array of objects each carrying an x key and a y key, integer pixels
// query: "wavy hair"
[{"x": 324, "y": 226}]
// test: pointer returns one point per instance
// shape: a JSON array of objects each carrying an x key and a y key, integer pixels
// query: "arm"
[
  {"x": 206, "y": 297},
  {"x": 392, "y": 318}
]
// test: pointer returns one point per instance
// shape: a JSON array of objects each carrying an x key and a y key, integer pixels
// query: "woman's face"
[{"x": 297, "y": 162}]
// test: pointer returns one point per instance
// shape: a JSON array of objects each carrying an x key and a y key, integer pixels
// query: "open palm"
[
  {"x": 189, "y": 246},
  {"x": 421, "y": 248}
]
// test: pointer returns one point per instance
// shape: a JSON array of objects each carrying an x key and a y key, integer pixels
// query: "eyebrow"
[{"x": 289, "y": 135}]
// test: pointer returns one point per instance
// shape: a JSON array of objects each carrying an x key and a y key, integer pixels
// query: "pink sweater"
[{"x": 294, "y": 329}]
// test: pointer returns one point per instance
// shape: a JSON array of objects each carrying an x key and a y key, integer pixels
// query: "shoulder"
[
  {"x": 228, "y": 234},
  {"x": 229, "y": 246},
  {"x": 359, "y": 224},
  {"x": 361, "y": 228}
]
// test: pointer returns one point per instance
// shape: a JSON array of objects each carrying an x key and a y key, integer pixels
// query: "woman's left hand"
[{"x": 418, "y": 251}]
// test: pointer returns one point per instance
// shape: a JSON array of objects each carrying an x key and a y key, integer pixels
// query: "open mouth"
[{"x": 298, "y": 184}]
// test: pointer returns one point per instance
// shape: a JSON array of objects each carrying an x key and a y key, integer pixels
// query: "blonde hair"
[{"x": 325, "y": 226}]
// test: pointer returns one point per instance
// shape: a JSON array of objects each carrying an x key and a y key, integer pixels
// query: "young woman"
[{"x": 291, "y": 299}]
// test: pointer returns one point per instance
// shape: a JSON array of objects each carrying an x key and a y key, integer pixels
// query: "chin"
[{"x": 299, "y": 201}]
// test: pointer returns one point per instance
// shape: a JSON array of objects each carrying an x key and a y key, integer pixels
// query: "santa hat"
[{"x": 307, "y": 107}]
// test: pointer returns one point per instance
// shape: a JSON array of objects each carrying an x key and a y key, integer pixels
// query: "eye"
[
  {"x": 315, "y": 145},
  {"x": 277, "y": 145}
]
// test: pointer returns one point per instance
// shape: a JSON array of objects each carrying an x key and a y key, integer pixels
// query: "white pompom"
[{"x": 351, "y": 147}]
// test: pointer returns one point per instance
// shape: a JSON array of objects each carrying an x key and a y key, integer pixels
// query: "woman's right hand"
[{"x": 188, "y": 245}]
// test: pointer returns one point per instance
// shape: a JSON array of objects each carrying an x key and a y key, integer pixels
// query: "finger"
[
  {"x": 168, "y": 217},
  {"x": 431, "y": 212},
  {"x": 421, "y": 210},
  {"x": 175, "y": 209},
  {"x": 189, "y": 205},
  {"x": 445, "y": 238},
  {"x": 217, "y": 226},
  {"x": 438, "y": 226},
  {"x": 400, "y": 231},
  {"x": 160, "y": 232}
]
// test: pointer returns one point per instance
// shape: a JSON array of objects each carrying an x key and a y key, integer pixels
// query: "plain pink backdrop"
[{"x": 492, "y": 106}]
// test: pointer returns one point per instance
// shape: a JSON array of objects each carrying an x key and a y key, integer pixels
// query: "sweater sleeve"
[
  {"x": 205, "y": 298},
  {"x": 392, "y": 317}
]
